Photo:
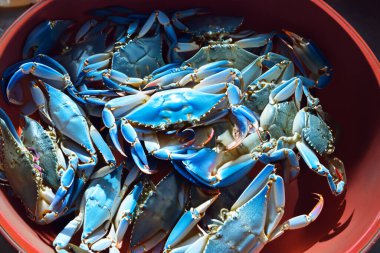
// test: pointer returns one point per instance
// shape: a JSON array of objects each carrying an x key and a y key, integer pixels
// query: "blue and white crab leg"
[
  {"x": 275, "y": 74},
  {"x": 205, "y": 71},
  {"x": 170, "y": 78},
  {"x": 255, "y": 186},
  {"x": 299, "y": 221},
  {"x": 290, "y": 87},
  {"x": 313, "y": 163},
  {"x": 201, "y": 167},
  {"x": 37, "y": 69},
  {"x": 187, "y": 222},
  {"x": 257, "y": 40},
  {"x": 137, "y": 150},
  {"x": 186, "y": 47},
  {"x": 64, "y": 237},
  {"x": 124, "y": 104},
  {"x": 284, "y": 155},
  {"x": 116, "y": 80},
  {"x": 126, "y": 213},
  {"x": 163, "y": 19},
  {"x": 227, "y": 75},
  {"x": 162, "y": 70}
]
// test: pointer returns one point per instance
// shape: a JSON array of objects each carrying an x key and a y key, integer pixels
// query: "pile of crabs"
[{"x": 109, "y": 105}]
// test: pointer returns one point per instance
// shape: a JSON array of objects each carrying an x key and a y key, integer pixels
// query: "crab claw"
[
  {"x": 312, "y": 58},
  {"x": 187, "y": 222},
  {"x": 137, "y": 149},
  {"x": 200, "y": 169}
]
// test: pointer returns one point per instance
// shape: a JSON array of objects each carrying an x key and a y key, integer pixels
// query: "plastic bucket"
[{"x": 348, "y": 223}]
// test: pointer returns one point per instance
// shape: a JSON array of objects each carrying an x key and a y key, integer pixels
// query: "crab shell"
[
  {"x": 239, "y": 57},
  {"x": 278, "y": 118},
  {"x": 163, "y": 206},
  {"x": 139, "y": 57},
  {"x": 314, "y": 131},
  {"x": 172, "y": 108},
  {"x": 25, "y": 177}
]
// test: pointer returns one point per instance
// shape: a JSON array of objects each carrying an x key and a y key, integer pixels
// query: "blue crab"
[
  {"x": 206, "y": 29},
  {"x": 91, "y": 38},
  {"x": 304, "y": 53},
  {"x": 309, "y": 59},
  {"x": 102, "y": 203},
  {"x": 31, "y": 166},
  {"x": 61, "y": 112},
  {"x": 125, "y": 68},
  {"x": 252, "y": 222},
  {"x": 173, "y": 109},
  {"x": 163, "y": 206},
  {"x": 310, "y": 132}
]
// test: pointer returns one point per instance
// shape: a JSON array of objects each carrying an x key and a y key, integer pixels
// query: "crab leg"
[
  {"x": 289, "y": 158},
  {"x": 137, "y": 150},
  {"x": 257, "y": 40},
  {"x": 312, "y": 161},
  {"x": 162, "y": 70},
  {"x": 200, "y": 169},
  {"x": 116, "y": 80},
  {"x": 187, "y": 222},
  {"x": 125, "y": 104},
  {"x": 254, "y": 187},
  {"x": 64, "y": 237},
  {"x": 164, "y": 21},
  {"x": 170, "y": 78},
  {"x": 292, "y": 86},
  {"x": 198, "y": 139},
  {"x": 312, "y": 58},
  {"x": 36, "y": 69},
  {"x": 227, "y": 75},
  {"x": 299, "y": 221},
  {"x": 84, "y": 29},
  {"x": 186, "y": 47}
]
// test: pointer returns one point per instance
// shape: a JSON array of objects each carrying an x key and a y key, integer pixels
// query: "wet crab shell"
[
  {"x": 314, "y": 131},
  {"x": 45, "y": 147},
  {"x": 17, "y": 165},
  {"x": 163, "y": 206},
  {"x": 239, "y": 57},
  {"x": 139, "y": 57},
  {"x": 173, "y": 108}
]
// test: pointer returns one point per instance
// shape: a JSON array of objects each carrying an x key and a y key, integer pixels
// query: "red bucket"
[{"x": 349, "y": 223}]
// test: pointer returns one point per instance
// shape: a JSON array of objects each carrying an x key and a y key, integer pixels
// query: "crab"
[
  {"x": 103, "y": 206},
  {"x": 310, "y": 132},
  {"x": 125, "y": 68},
  {"x": 31, "y": 165},
  {"x": 205, "y": 29},
  {"x": 252, "y": 222},
  {"x": 59, "y": 111},
  {"x": 173, "y": 109},
  {"x": 163, "y": 206}
]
